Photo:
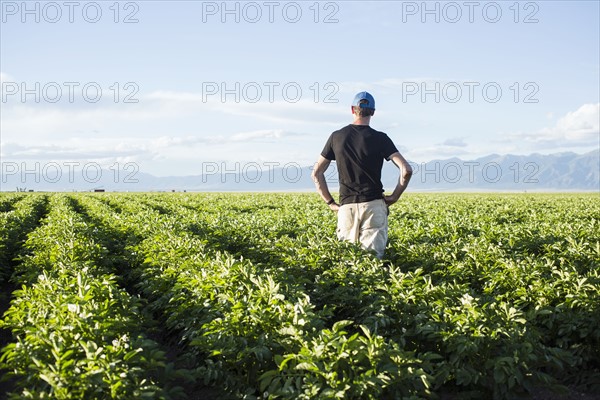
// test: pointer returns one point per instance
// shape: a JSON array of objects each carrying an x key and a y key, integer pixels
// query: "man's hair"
[{"x": 363, "y": 112}]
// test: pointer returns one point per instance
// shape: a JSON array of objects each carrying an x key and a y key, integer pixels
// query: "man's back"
[{"x": 359, "y": 151}]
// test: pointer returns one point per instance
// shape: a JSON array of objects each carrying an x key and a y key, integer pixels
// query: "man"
[{"x": 359, "y": 151}]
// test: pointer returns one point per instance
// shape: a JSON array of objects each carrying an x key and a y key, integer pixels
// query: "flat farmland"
[{"x": 242, "y": 295}]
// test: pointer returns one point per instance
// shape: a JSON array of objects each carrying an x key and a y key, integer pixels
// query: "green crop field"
[{"x": 181, "y": 295}]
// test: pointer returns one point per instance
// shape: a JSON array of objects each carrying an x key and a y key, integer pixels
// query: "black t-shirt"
[{"x": 359, "y": 151}]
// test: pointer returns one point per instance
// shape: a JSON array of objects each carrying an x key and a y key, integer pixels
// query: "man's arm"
[
  {"x": 405, "y": 174},
  {"x": 318, "y": 176}
]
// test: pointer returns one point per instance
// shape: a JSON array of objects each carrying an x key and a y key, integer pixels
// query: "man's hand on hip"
[{"x": 389, "y": 200}]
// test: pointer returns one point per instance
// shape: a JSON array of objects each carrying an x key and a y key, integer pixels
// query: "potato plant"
[{"x": 481, "y": 295}]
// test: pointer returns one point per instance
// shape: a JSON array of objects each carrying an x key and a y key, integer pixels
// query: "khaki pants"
[{"x": 366, "y": 223}]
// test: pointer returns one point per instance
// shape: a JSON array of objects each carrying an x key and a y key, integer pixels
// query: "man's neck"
[{"x": 361, "y": 121}]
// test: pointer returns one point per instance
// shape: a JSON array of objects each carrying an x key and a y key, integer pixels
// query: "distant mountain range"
[{"x": 535, "y": 172}]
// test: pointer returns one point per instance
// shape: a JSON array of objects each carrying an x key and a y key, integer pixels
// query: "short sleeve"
[
  {"x": 328, "y": 152},
  {"x": 387, "y": 147}
]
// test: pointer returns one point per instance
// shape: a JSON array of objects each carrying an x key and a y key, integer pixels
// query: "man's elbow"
[
  {"x": 315, "y": 175},
  {"x": 407, "y": 172}
]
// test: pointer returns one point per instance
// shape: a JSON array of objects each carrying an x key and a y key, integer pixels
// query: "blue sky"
[{"x": 194, "y": 85}]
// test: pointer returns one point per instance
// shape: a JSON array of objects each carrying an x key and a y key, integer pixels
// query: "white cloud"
[
  {"x": 170, "y": 127},
  {"x": 455, "y": 142},
  {"x": 267, "y": 135},
  {"x": 583, "y": 124},
  {"x": 76, "y": 149},
  {"x": 165, "y": 95},
  {"x": 439, "y": 151},
  {"x": 577, "y": 128},
  {"x": 134, "y": 148},
  {"x": 169, "y": 110},
  {"x": 4, "y": 77},
  {"x": 449, "y": 148},
  {"x": 270, "y": 135},
  {"x": 283, "y": 112},
  {"x": 59, "y": 122},
  {"x": 277, "y": 110}
]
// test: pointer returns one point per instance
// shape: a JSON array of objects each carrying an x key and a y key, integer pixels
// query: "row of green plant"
[
  {"x": 20, "y": 216},
  {"x": 77, "y": 334},
  {"x": 8, "y": 199}
]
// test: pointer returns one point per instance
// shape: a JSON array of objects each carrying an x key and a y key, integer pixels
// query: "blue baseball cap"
[{"x": 364, "y": 96}]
